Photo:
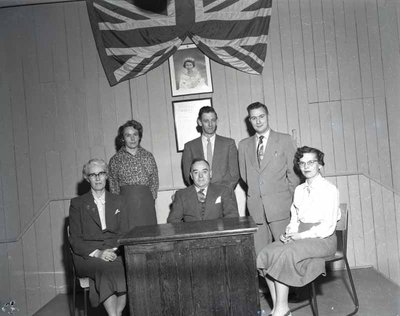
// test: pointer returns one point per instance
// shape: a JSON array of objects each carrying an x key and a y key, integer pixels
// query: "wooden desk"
[{"x": 199, "y": 268}]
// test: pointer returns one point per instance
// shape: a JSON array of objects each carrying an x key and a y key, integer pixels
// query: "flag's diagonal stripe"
[
  {"x": 111, "y": 13},
  {"x": 233, "y": 7},
  {"x": 231, "y": 16},
  {"x": 142, "y": 51},
  {"x": 133, "y": 62},
  {"x": 217, "y": 47}
]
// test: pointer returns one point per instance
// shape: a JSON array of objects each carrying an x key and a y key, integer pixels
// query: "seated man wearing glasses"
[
  {"x": 203, "y": 200},
  {"x": 96, "y": 220}
]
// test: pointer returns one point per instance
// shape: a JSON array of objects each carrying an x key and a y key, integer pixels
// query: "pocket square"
[
  {"x": 218, "y": 200},
  {"x": 117, "y": 211}
]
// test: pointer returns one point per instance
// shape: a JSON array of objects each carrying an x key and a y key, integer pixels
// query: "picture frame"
[
  {"x": 186, "y": 79},
  {"x": 185, "y": 120}
]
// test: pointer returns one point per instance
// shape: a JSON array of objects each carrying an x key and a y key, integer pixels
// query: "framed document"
[
  {"x": 185, "y": 117},
  {"x": 190, "y": 71}
]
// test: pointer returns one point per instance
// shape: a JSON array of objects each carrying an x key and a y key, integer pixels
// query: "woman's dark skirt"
[
  {"x": 140, "y": 204},
  {"x": 296, "y": 263},
  {"x": 106, "y": 278}
]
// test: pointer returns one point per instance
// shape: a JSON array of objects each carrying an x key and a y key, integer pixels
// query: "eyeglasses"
[
  {"x": 309, "y": 163},
  {"x": 95, "y": 175}
]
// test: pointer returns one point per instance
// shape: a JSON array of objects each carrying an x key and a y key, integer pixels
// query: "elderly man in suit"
[
  {"x": 96, "y": 221},
  {"x": 219, "y": 151},
  {"x": 202, "y": 200},
  {"x": 266, "y": 165}
]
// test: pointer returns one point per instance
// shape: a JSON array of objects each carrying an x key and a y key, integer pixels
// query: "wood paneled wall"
[{"x": 331, "y": 79}]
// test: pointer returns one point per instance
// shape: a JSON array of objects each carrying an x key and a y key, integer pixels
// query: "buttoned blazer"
[
  {"x": 271, "y": 185},
  {"x": 86, "y": 234},
  {"x": 225, "y": 167},
  {"x": 220, "y": 202}
]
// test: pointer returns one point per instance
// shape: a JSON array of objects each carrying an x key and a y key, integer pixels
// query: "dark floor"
[{"x": 377, "y": 296}]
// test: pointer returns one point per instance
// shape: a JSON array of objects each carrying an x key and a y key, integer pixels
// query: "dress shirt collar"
[
  {"x": 204, "y": 190},
  {"x": 265, "y": 134},
  {"x": 204, "y": 138},
  {"x": 101, "y": 198},
  {"x": 309, "y": 186}
]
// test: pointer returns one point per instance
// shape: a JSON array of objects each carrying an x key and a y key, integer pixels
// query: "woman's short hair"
[
  {"x": 95, "y": 161},
  {"x": 189, "y": 60},
  {"x": 131, "y": 123},
  {"x": 306, "y": 150}
]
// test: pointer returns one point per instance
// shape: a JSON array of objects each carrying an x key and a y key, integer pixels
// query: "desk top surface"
[{"x": 189, "y": 230}]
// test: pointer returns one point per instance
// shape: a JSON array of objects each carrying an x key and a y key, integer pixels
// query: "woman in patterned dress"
[
  {"x": 134, "y": 175},
  {"x": 298, "y": 257}
]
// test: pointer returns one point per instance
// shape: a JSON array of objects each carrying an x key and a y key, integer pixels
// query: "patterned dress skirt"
[
  {"x": 296, "y": 263},
  {"x": 105, "y": 278},
  {"x": 140, "y": 205}
]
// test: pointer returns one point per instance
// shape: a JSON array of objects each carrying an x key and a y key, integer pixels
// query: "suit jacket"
[
  {"x": 220, "y": 202},
  {"x": 86, "y": 234},
  {"x": 271, "y": 185},
  {"x": 225, "y": 167}
]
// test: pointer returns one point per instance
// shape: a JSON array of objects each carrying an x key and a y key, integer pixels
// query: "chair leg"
[
  {"x": 314, "y": 306},
  {"x": 354, "y": 294},
  {"x": 74, "y": 296},
  {"x": 85, "y": 292}
]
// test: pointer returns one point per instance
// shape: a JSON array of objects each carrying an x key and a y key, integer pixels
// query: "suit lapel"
[
  {"x": 198, "y": 148},
  {"x": 110, "y": 211},
  {"x": 210, "y": 199},
  {"x": 217, "y": 154},
  {"x": 251, "y": 151},
  {"x": 91, "y": 208},
  {"x": 270, "y": 149}
]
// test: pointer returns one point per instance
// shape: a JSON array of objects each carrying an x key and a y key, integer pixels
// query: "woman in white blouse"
[{"x": 298, "y": 257}]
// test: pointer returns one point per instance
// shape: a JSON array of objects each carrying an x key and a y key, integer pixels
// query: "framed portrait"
[
  {"x": 190, "y": 71},
  {"x": 185, "y": 117}
]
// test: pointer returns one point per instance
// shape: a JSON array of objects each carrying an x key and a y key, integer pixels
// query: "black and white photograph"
[{"x": 190, "y": 71}]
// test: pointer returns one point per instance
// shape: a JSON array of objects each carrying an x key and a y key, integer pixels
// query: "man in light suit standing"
[
  {"x": 202, "y": 200},
  {"x": 266, "y": 165},
  {"x": 219, "y": 151}
]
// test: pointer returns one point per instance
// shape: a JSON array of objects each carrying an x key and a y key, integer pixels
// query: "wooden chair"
[
  {"x": 83, "y": 282},
  {"x": 341, "y": 254}
]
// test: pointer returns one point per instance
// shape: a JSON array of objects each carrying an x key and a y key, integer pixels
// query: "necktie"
[
  {"x": 201, "y": 196},
  {"x": 260, "y": 150},
  {"x": 209, "y": 152}
]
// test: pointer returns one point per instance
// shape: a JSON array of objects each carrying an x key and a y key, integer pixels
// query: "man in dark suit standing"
[
  {"x": 202, "y": 200},
  {"x": 266, "y": 165},
  {"x": 219, "y": 151}
]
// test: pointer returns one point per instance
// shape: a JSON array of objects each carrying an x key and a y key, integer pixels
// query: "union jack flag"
[{"x": 131, "y": 41}]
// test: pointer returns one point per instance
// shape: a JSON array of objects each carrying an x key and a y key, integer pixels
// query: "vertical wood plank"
[
  {"x": 379, "y": 227},
  {"x": 375, "y": 48},
  {"x": 44, "y": 247},
  {"x": 326, "y": 136},
  {"x": 363, "y": 50},
  {"x": 320, "y": 52},
  {"x": 331, "y": 50},
  {"x": 349, "y": 141},
  {"x": 304, "y": 131},
  {"x": 17, "y": 280},
  {"x": 32, "y": 285},
  {"x": 309, "y": 54},
  {"x": 368, "y": 222},
  {"x": 288, "y": 67},
  {"x": 57, "y": 222},
  {"x": 73, "y": 40},
  {"x": 391, "y": 235},
  {"x": 10, "y": 217},
  {"x": 356, "y": 218},
  {"x": 275, "y": 50},
  {"x": 5, "y": 293}
]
